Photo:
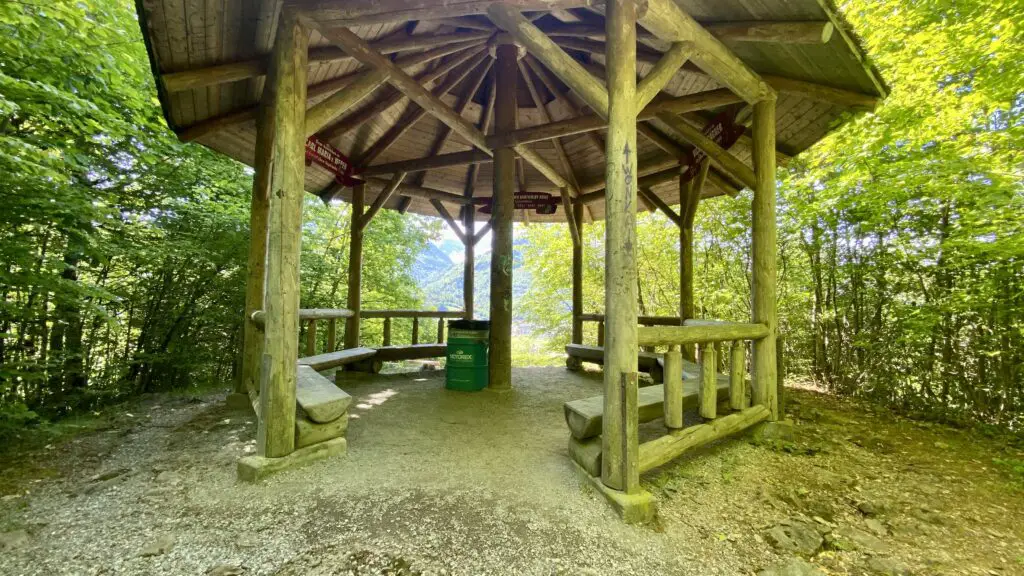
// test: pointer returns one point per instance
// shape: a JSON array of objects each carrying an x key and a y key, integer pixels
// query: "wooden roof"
[{"x": 210, "y": 55}]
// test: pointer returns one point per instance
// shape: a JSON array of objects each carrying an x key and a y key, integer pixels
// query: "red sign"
[
  {"x": 724, "y": 130},
  {"x": 331, "y": 159},
  {"x": 541, "y": 202}
]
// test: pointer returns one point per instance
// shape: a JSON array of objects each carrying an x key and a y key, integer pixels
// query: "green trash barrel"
[{"x": 466, "y": 364}]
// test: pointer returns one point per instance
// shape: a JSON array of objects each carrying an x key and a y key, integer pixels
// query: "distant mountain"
[
  {"x": 430, "y": 263},
  {"x": 444, "y": 289}
]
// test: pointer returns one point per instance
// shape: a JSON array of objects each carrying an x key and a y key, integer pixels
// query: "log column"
[
  {"x": 686, "y": 259},
  {"x": 765, "y": 374},
  {"x": 500, "y": 369},
  {"x": 577, "y": 276},
  {"x": 285, "y": 90},
  {"x": 468, "y": 269},
  {"x": 355, "y": 266},
  {"x": 619, "y": 468},
  {"x": 252, "y": 336}
]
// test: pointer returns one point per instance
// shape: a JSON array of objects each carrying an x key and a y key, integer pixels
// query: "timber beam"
[
  {"x": 382, "y": 197},
  {"x": 362, "y": 51},
  {"x": 718, "y": 155},
  {"x": 393, "y": 96},
  {"x": 361, "y": 12},
  {"x": 543, "y": 48},
  {"x": 666, "y": 20},
  {"x": 234, "y": 71},
  {"x": 329, "y": 87},
  {"x": 592, "y": 122},
  {"x": 429, "y": 163},
  {"x": 813, "y": 32}
]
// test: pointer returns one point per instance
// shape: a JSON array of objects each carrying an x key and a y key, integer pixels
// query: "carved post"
[
  {"x": 286, "y": 90},
  {"x": 620, "y": 352}
]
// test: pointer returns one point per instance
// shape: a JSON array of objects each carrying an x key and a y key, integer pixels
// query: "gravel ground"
[{"x": 439, "y": 482}]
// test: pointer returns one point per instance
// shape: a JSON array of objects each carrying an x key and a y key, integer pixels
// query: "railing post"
[
  {"x": 673, "y": 387},
  {"x": 707, "y": 389},
  {"x": 415, "y": 330},
  {"x": 600, "y": 332},
  {"x": 440, "y": 330},
  {"x": 332, "y": 335},
  {"x": 310, "y": 337},
  {"x": 387, "y": 330},
  {"x": 737, "y": 374}
]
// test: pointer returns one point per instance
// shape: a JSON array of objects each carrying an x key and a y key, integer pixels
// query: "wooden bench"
[
  {"x": 318, "y": 397},
  {"x": 647, "y": 362},
  {"x": 399, "y": 353},
  {"x": 330, "y": 360},
  {"x": 584, "y": 416}
]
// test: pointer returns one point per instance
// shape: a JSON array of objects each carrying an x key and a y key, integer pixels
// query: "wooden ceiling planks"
[{"x": 190, "y": 34}]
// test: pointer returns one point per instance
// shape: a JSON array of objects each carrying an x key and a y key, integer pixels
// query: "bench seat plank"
[
  {"x": 648, "y": 362},
  {"x": 330, "y": 360},
  {"x": 321, "y": 400},
  {"x": 411, "y": 352},
  {"x": 584, "y": 416}
]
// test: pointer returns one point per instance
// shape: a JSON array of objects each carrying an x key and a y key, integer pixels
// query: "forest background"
[{"x": 901, "y": 236}]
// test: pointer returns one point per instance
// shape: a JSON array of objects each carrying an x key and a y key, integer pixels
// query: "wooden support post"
[
  {"x": 577, "y": 277},
  {"x": 387, "y": 331},
  {"x": 689, "y": 199},
  {"x": 332, "y": 335},
  {"x": 600, "y": 333},
  {"x": 620, "y": 294},
  {"x": 440, "y": 330},
  {"x": 252, "y": 336},
  {"x": 707, "y": 388},
  {"x": 469, "y": 262},
  {"x": 673, "y": 388},
  {"x": 737, "y": 375},
  {"x": 505, "y": 108},
  {"x": 355, "y": 266},
  {"x": 310, "y": 337},
  {"x": 765, "y": 377},
  {"x": 286, "y": 89},
  {"x": 415, "y": 330}
]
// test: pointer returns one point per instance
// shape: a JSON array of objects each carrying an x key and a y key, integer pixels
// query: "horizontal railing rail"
[{"x": 699, "y": 332}]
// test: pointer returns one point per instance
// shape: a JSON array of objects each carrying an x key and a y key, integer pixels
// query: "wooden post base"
[
  {"x": 632, "y": 508},
  {"x": 255, "y": 468}
]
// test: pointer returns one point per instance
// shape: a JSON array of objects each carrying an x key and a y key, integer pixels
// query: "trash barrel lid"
[{"x": 463, "y": 324}]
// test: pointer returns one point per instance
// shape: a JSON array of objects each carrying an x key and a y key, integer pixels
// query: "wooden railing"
[
  {"x": 310, "y": 316},
  {"x": 705, "y": 335},
  {"x": 641, "y": 320},
  {"x": 416, "y": 315}
]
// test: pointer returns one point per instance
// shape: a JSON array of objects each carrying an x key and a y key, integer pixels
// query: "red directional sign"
[{"x": 331, "y": 159}]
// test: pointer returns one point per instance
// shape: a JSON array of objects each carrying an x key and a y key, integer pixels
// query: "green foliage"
[
  {"x": 901, "y": 242},
  {"x": 122, "y": 250}
]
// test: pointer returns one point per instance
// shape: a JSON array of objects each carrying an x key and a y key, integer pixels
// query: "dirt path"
[{"x": 446, "y": 483}]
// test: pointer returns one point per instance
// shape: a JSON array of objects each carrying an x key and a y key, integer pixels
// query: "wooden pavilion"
[{"x": 484, "y": 112}]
